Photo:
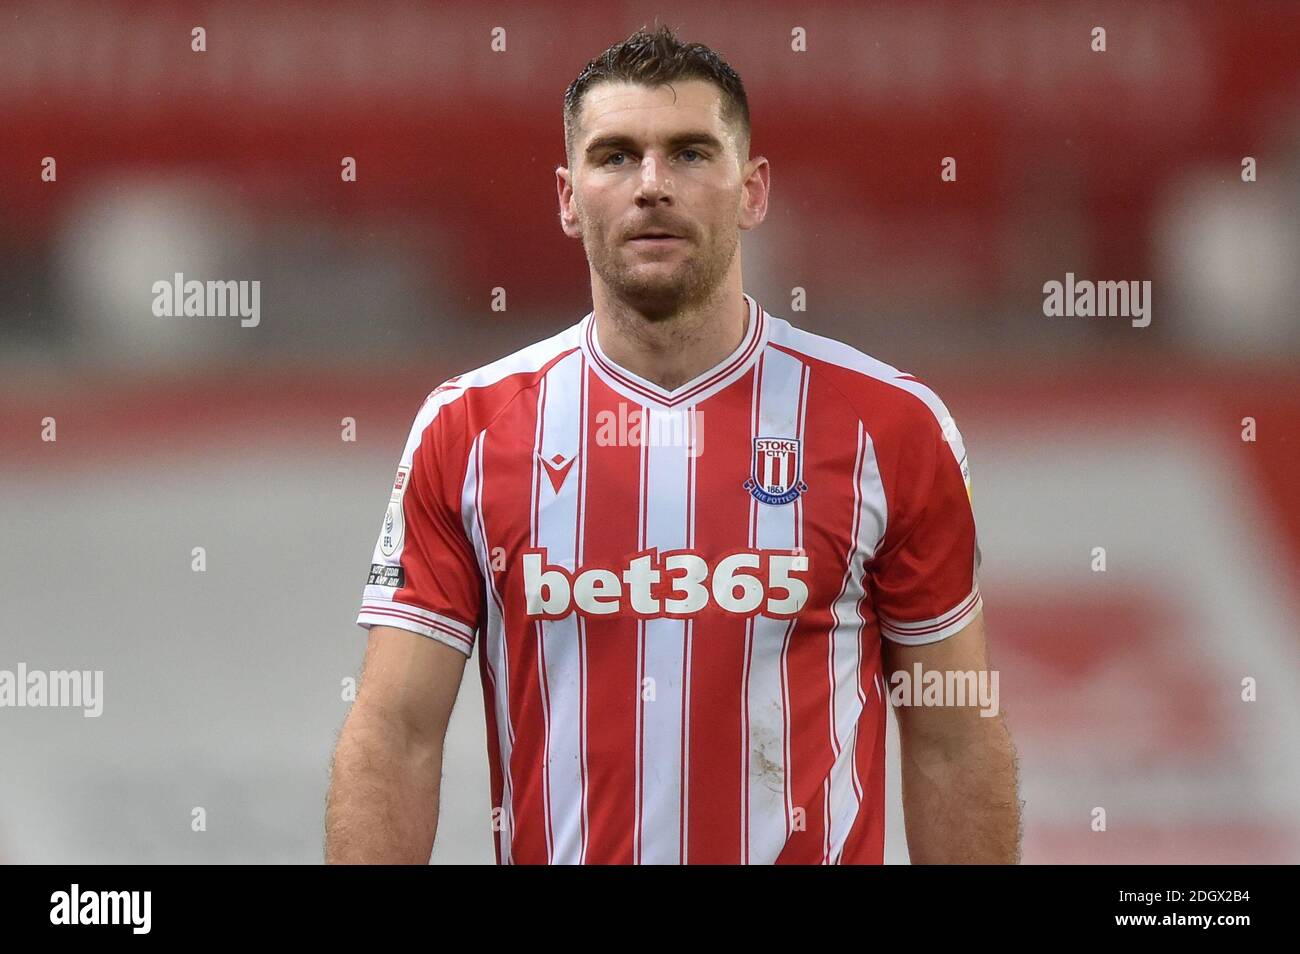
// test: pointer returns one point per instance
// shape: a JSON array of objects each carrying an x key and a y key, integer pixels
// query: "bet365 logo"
[{"x": 674, "y": 584}]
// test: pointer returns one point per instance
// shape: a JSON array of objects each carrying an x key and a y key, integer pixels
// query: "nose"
[{"x": 654, "y": 184}]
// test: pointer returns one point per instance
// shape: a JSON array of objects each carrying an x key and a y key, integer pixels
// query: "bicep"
[
  {"x": 966, "y": 651},
  {"x": 411, "y": 679}
]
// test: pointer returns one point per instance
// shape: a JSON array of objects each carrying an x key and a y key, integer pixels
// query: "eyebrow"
[{"x": 620, "y": 141}]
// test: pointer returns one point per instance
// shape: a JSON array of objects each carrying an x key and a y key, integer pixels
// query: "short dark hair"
[{"x": 654, "y": 58}]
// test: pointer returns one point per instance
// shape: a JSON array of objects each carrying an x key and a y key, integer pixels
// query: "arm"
[
  {"x": 383, "y": 798},
  {"x": 960, "y": 802}
]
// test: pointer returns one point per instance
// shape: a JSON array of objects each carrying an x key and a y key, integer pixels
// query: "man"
[{"x": 689, "y": 541}]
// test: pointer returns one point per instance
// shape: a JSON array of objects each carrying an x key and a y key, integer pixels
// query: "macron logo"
[{"x": 557, "y": 468}]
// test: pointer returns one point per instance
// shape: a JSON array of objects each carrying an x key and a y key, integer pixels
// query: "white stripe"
[
  {"x": 582, "y": 468},
  {"x": 639, "y": 775},
  {"x": 559, "y": 652},
  {"x": 849, "y": 700},
  {"x": 668, "y": 469},
  {"x": 749, "y": 645},
  {"x": 920, "y": 632},
  {"x": 693, "y": 454},
  {"x": 775, "y": 527},
  {"x": 495, "y": 660},
  {"x": 435, "y": 619},
  {"x": 534, "y": 499},
  {"x": 444, "y": 629}
]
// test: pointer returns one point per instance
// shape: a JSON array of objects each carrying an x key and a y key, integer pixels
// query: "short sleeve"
[
  {"x": 424, "y": 574},
  {"x": 923, "y": 576}
]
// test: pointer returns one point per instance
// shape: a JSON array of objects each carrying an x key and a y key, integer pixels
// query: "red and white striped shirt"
[{"x": 679, "y": 596}]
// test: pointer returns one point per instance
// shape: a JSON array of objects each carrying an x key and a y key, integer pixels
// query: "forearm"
[
  {"x": 382, "y": 806},
  {"x": 960, "y": 798}
]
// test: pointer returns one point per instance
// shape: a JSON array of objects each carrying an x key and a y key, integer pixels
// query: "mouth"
[{"x": 654, "y": 239}]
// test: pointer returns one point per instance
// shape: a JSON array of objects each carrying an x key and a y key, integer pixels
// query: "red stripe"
[
  {"x": 850, "y": 550},
  {"x": 495, "y": 781},
  {"x": 397, "y": 614},
  {"x": 507, "y": 484},
  {"x": 416, "y": 614},
  {"x": 580, "y": 555},
  {"x": 540, "y": 630},
  {"x": 683, "y": 815},
  {"x": 643, "y": 507},
  {"x": 503, "y": 784},
  {"x": 755, "y": 404},
  {"x": 826, "y": 530},
  {"x": 610, "y": 530},
  {"x": 944, "y": 621},
  {"x": 865, "y": 844}
]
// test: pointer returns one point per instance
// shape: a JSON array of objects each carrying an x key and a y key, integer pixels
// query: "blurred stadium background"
[{"x": 223, "y": 688}]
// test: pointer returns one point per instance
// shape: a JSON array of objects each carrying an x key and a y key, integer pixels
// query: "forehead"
[{"x": 634, "y": 109}]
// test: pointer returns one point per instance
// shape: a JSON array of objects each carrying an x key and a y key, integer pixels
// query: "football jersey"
[{"x": 678, "y": 596}]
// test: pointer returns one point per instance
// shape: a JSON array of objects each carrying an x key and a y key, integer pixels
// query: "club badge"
[{"x": 776, "y": 472}]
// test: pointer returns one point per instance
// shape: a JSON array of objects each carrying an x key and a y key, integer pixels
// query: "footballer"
[{"x": 689, "y": 541}]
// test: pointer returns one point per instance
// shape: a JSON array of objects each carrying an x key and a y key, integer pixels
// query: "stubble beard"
[{"x": 663, "y": 294}]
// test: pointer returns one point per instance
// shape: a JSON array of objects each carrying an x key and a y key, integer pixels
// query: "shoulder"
[
  {"x": 475, "y": 397},
  {"x": 885, "y": 398}
]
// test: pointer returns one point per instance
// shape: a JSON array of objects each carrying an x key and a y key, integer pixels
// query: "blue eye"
[{"x": 609, "y": 160}]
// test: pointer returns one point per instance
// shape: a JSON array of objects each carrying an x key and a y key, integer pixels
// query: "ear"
[
  {"x": 757, "y": 187},
  {"x": 569, "y": 221}
]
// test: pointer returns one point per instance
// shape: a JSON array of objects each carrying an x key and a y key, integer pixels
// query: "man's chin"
[
  {"x": 653, "y": 281},
  {"x": 656, "y": 288}
]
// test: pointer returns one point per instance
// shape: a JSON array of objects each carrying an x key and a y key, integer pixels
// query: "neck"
[{"x": 674, "y": 349}]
